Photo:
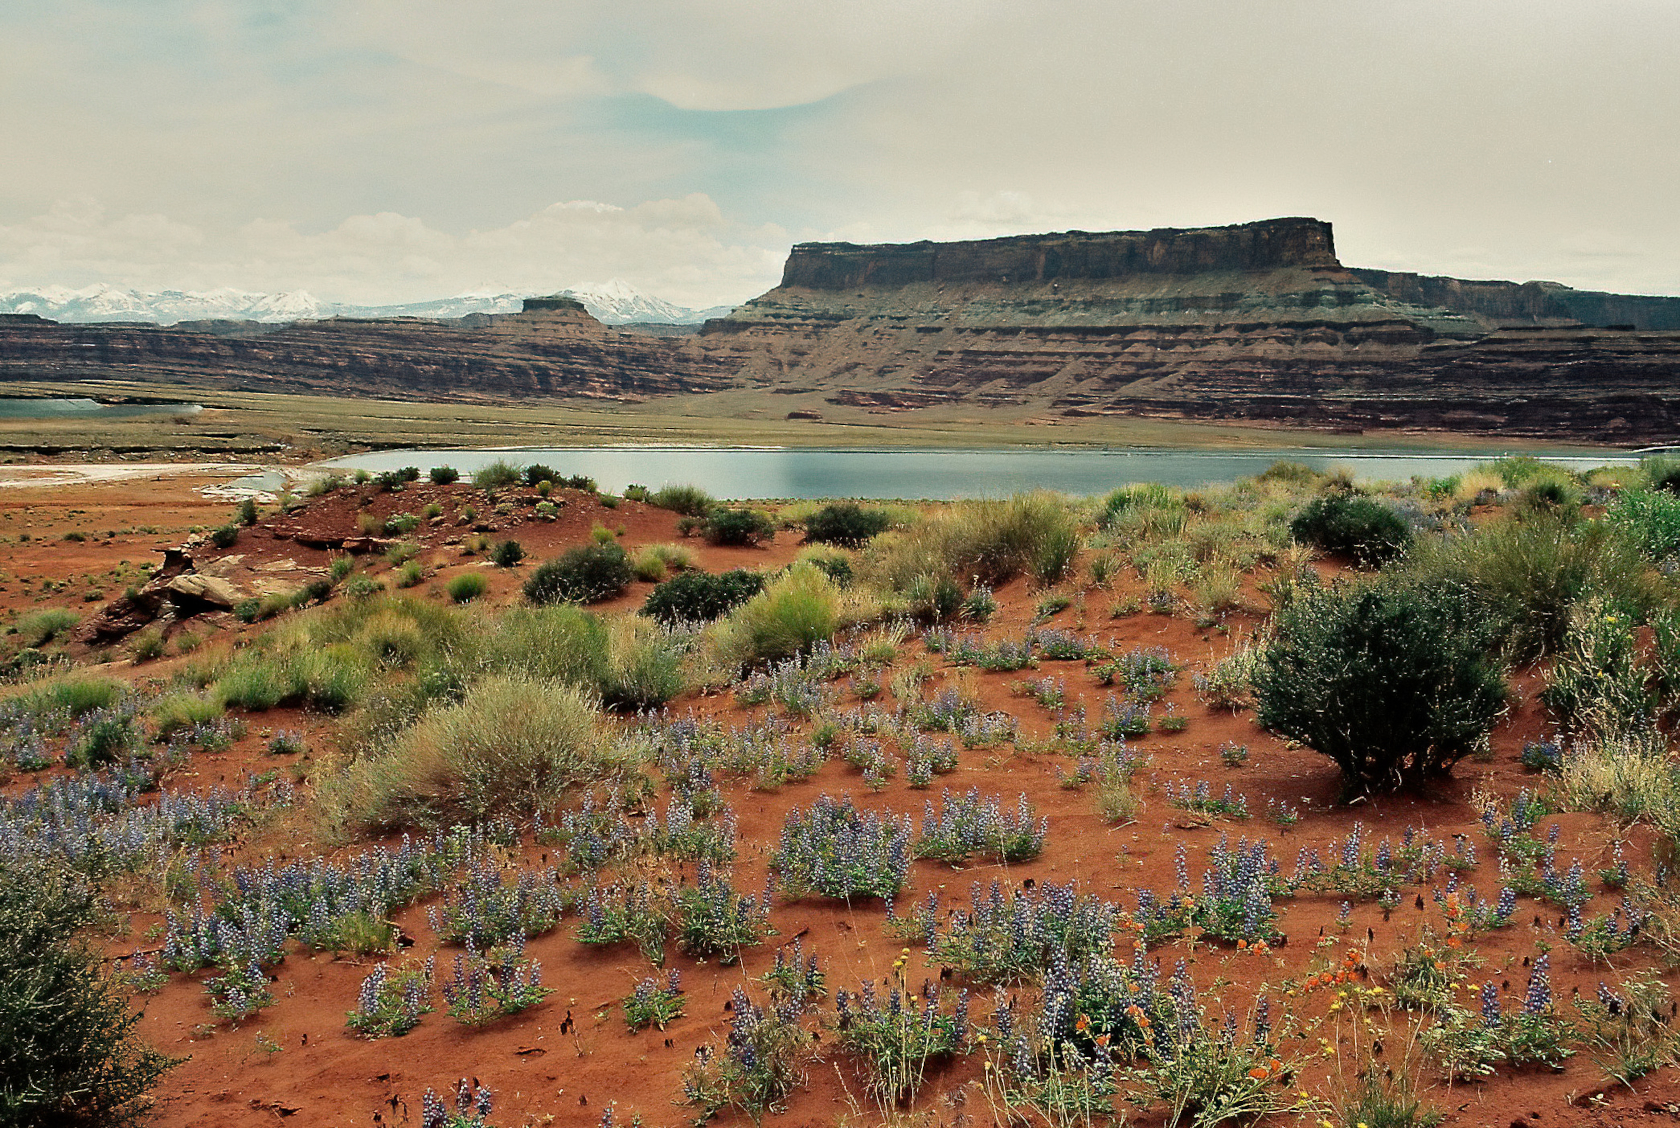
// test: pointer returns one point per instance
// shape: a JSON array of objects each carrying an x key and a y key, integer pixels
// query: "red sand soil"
[{"x": 566, "y": 1060}]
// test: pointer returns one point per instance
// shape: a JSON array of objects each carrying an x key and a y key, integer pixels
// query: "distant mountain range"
[{"x": 612, "y": 303}]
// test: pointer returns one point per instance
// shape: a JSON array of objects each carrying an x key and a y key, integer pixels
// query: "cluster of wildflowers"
[
  {"x": 948, "y": 711},
  {"x": 1466, "y": 911},
  {"x": 106, "y": 735},
  {"x": 1145, "y": 675},
  {"x": 897, "y": 1036},
  {"x": 626, "y": 911},
  {"x": 1615, "y": 875},
  {"x": 1123, "y": 720},
  {"x": 287, "y": 743},
  {"x": 684, "y": 836},
  {"x": 1542, "y": 756},
  {"x": 795, "y": 975},
  {"x": 925, "y": 757},
  {"x": 596, "y": 834},
  {"x": 1355, "y": 868},
  {"x": 390, "y": 1003},
  {"x": 972, "y": 826},
  {"x": 99, "y": 823},
  {"x": 1048, "y": 692},
  {"x": 1606, "y": 935},
  {"x": 801, "y": 690},
  {"x": 713, "y": 920},
  {"x": 1509, "y": 830},
  {"x": 972, "y": 649},
  {"x": 1285, "y": 815},
  {"x": 472, "y": 1108},
  {"x": 240, "y": 991},
  {"x": 653, "y": 1003},
  {"x": 767, "y": 751},
  {"x": 1061, "y": 646},
  {"x": 835, "y": 850},
  {"x": 871, "y": 759},
  {"x": 1235, "y": 902},
  {"x": 489, "y": 908},
  {"x": 1567, "y": 889},
  {"x": 1202, "y": 800},
  {"x": 1004, "y": 938},
  {"x": 1109, "y": 762},
  {"x": 486, "y": 986},
  {"x": 760, "y": 1062}
]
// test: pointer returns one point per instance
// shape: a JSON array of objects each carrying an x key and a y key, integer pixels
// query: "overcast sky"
[{"x": 392, "y": 150}]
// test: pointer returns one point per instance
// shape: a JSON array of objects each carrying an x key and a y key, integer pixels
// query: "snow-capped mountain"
[
  {"x": 613, "y": 303},
  {"x": 619, "y": 303}
]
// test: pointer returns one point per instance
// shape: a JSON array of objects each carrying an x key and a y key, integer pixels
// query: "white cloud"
[{"x": 684, "y": 250}]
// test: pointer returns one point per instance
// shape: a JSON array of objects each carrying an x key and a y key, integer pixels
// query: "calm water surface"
[
  {"x": 68, "y": 408},
  {"x": 941, "y": 474}
]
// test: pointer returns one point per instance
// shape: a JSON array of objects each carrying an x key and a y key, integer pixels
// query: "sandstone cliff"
[{"x": 1257, "y": 321}]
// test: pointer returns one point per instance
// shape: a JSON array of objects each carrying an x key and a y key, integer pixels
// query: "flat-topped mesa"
[{"x": 1067, "y": 256}]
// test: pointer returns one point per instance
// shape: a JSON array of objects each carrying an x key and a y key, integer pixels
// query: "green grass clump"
[
  {"x": 800, "y": 608},
  {"x": 586, "y": 574},
  {"x": 1649, "y": 519},
  {"x": 513, "y": 745},
  {"x": 40, "y": 627},
  {"x": 690, "y": 501},
  {"x": 75, "y": 694},
  {"x": 653, "y": 563},
  {"x": 467, "y": 587},
  {"x": 497, "y": 475},
  {"x": 988, "y": 541},
  {"x": 177, "y": 712}
]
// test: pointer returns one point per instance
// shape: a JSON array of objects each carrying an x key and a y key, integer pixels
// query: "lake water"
[
  {"x": 941, "y": 474},
  {"x": 69, "y": 408}
]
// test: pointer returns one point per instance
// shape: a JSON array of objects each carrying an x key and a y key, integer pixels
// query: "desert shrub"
[
  {"x": 400, "y": 524},
  {"x": 225, "y": 537},
  {"x": 513, "y": 745},
  {"x": 146, "y": 645},
  {"x": 799, "y": 609},
  {"x": 1391, "y": 680},
  {"x": 698, "y": 597},
  {"x": 739, "y": 525},
  {"x": 643, "y": 666},
  {"x": 537, "y": 472},
  {"x": 507, "y": 553},
  {"x": 987, "y": 541},
  {"x": 1531, "y": 574},
  {"x": 586, "y": 574},
  {"x": 38, "y": 628},
  {"x": 409, "y": 575},
  {"x": 1650, "y": 519},
  {"x": 445, "y": 475},
  {"x": 690, "y": 501},
  {"x": 76, "y": 694},
  {"x": 934, "y": 598},
  {"x": 1360, "y": 527},
  {"x": 653, "y": 563},
  {"x": 467, "y": 587},
  {"x": 247, "y": 511},
  {"x": 757, "y": 1066},
  {"x": 846, "y": 523},
  {"x": 496, "y": 475},
  {"x": 562, "y": 642},
  {"x": 69, "y": 1051}
]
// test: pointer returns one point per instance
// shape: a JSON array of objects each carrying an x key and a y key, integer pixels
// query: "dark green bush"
[
  {"x": 248, "y": 511},
  {"x": 586, "y": 574},
  {"x": 1391, "y": 680},
  {"x": 537, "y": 472},
  {"x": 467, "y": 587},
  {"x": 739, "y": 525},
  {"x": 69, "y": 1054},
  {"x": 690, "y": 501},
  {"x": 444, "y": 475},
  {"x": 225, "y": 537},
  {"x": 698, "y": 597},
  {"x": 508, "y": 553},
  {"x": 1367, "y": 530},
  {"x": 846, "y": 523}
]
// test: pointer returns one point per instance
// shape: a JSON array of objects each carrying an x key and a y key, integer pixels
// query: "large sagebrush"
[{"x": 1392, "y": 681}]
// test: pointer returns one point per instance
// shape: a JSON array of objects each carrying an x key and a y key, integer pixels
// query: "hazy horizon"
[{"x": 407, "y": 152}]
